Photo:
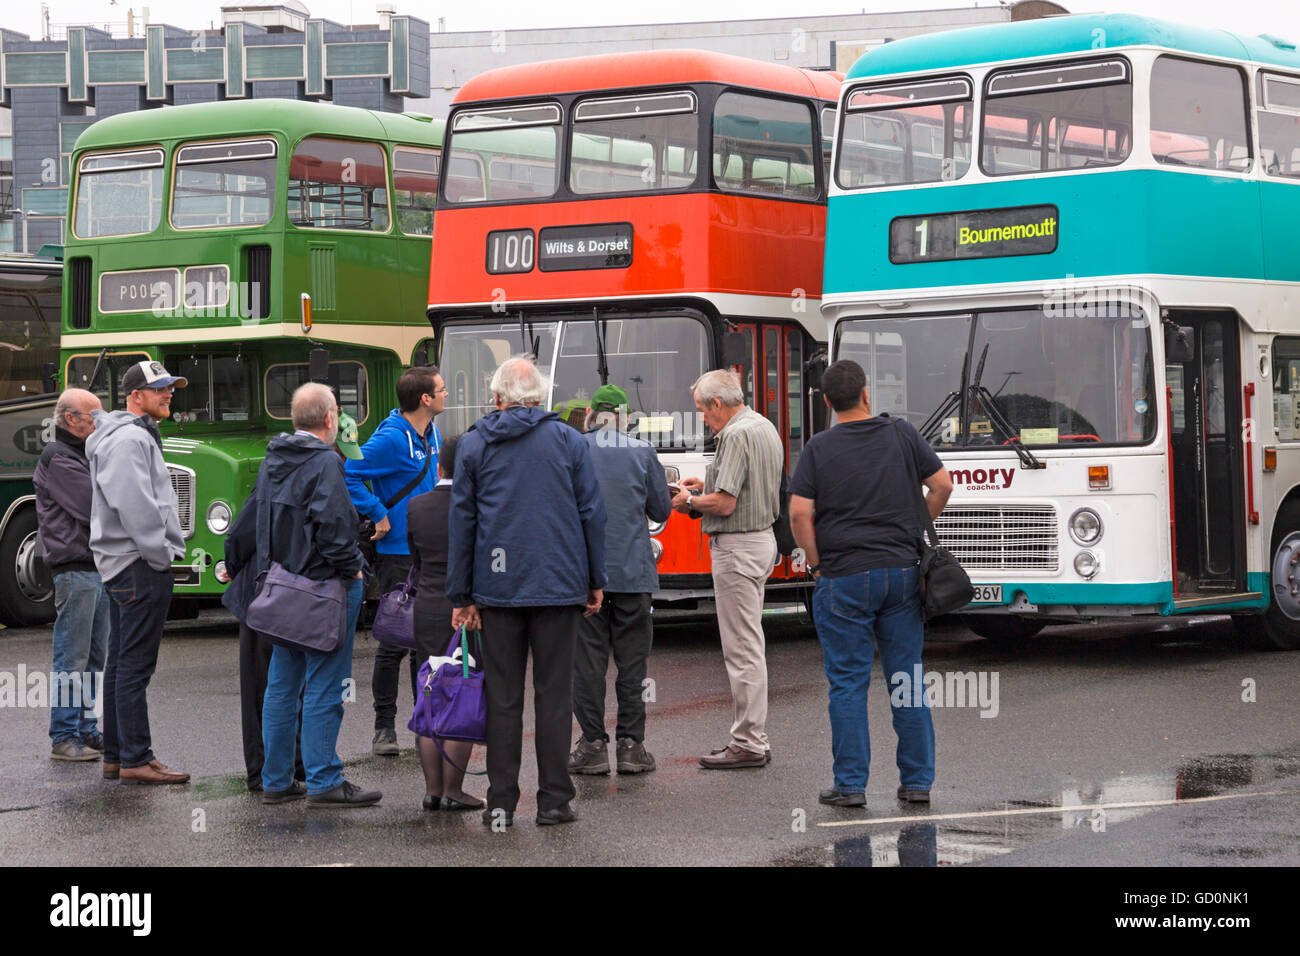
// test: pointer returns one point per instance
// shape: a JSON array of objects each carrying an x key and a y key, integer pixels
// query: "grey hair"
[
  {"x": 518, "y": 381},
  {"x": 68, "y": 402},
  {"x": 311, "y": 405},
  {"x": 598, "y": 419},
  {"x": 722, "y": 384}
]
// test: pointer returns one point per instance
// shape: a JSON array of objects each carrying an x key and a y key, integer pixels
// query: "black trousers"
[
  {"x": 254, "y": 662},
  {"x": 391, "y": 570},
  {"x": 622, "y": 625},
  {"x": 508, "y": 634}
]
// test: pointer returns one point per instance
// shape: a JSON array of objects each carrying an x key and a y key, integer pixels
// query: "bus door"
[
  {"x": 1207, "y": 469},
  {"x": 772, "y": 377}
]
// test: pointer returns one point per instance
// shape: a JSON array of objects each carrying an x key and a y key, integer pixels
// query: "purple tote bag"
[
  {"x": 452, "y": 704},
  {"x": 395, "y": 618}
]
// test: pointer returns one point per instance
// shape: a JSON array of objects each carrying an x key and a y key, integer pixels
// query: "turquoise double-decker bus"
[{"x": 1067, "y": 251}]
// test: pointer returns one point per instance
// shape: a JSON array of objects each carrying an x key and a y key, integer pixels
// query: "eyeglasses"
[{"x": 439, "y": 391}]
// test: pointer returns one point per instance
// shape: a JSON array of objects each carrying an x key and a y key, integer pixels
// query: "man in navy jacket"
[
  {"x": 527, "y": 544},
  {"x": 395, "y": 456}
]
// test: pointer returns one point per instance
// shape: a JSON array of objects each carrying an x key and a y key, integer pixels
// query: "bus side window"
[
  {"x": 1279, "y": 126},
  {"x": 768, "y": 145},
  {"x": 1198, "y": 115},
  {"x": 1286, "y": 387}
]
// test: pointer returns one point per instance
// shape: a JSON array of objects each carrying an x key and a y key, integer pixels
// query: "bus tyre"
[
  {"x": 26, "y": 588},
  {"x": 1278, "y": 628},
  {"x": 1003, "y": 630}
]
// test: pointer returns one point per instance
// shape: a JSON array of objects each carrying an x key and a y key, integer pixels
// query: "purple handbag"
[
  {"x": 452, "y": 704},
  {"x": 395, "y": 618},
  {"x": 290, "y": 609}
]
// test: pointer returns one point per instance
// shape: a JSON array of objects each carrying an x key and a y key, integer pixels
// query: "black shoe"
[
  {"x": 589, "y": 757},
  {"x": 255, "y": 786},
  {"x": 452, "y": 805},
  {"x": 346, "y": 794},
  {"x": 385, "y": 743},
  {"x": 841, "y": 798},
  {"x": 633, "y": 757},
  {"x": 913, "y": 796},
  {"x": 490, "y": 817},
  {"x": 296, "y": 791},
  {"x": 432, "y": 803},
  {"x": 564, "y": 814}
]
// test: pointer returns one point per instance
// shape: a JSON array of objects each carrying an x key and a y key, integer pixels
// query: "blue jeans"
[
  {"x": 851, "y": 611},
  {"x": 137, "y": 614},
  {"x": 318, "y": 679},
  {"x": 80, "y": 642}
]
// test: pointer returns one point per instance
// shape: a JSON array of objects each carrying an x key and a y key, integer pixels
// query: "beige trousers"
[{"x": 742, "y": 562}]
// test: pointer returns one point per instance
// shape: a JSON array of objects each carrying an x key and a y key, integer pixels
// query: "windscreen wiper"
[
  {"x": 602, "y": 365},
  {"x": 984, "y": 399}
]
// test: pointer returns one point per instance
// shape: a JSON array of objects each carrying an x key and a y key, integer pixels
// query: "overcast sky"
[{"x": 1279, "y": 17}]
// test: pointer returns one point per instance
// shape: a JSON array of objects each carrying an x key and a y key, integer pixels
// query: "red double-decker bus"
[{"x": 639, "y": 219}]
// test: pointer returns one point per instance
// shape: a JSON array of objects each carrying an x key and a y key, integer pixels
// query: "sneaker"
[
  {"x": 346, "y": 794},
  {"x": 385, "y": 743},
  {"x": 913, "y": 796},
  {"x": 71, "y": 749},
  {"x": 589, "y": 756},
  {"x": 93, "y": 741},
  {"x": 633, "y": 757}
]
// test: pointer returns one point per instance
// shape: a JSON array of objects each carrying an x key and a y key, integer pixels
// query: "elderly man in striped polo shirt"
[{"x": 739, "y": 501}]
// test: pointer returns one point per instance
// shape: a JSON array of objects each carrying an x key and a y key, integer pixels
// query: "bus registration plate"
[{"x": 987, "y": 594}]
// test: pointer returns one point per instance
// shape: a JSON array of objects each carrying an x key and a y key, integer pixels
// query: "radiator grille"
[
  {"x": 81, "y": 293},
  {"x": 1001, "y": 538},
  {"x": 183, "y": 485}
]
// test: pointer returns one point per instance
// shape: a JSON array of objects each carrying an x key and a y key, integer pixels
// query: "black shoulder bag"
[
  {"x": 945, "y": 586},
  {"x": 366, "y": 527}
]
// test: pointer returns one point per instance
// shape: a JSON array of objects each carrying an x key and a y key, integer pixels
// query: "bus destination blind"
[
  {"x": 982, "y": 234},
  {"x": 605, "y": 246}
]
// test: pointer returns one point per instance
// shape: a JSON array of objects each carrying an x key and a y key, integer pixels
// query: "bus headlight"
[
  {"x": 656, "y": 549},
  {"x": 218, "y": 517},
  {"x": 1085, "y": 526},
  {"x": 1087, "y": 564}
]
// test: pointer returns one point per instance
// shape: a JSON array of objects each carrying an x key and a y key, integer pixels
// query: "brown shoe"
[
  {"x": 732, "y": 757},
  {"x": 153, "y": 772},
  {"x": 111, "y": 770}
]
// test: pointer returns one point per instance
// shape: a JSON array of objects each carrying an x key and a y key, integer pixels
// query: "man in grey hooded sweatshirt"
[{"x": 135, "y": 535}]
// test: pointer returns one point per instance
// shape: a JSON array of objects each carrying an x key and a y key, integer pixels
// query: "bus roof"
[
  {"x": 293, "y": 118},
  {"x": 646, "y": 68},
  {"x": 1053, "y": 36}
]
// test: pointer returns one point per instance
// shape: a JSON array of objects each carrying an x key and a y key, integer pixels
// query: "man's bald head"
[{"x": 73, "y": 410}]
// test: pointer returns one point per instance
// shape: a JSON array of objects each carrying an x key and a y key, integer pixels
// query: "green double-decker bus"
[{"x": 250, "y": 247}]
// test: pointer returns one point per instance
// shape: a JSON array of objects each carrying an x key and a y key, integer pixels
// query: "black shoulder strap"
[
  {"x": 411, "y": 487},
  {"x": 263, "y": 521},
  {"x": 928, "y": 524}
]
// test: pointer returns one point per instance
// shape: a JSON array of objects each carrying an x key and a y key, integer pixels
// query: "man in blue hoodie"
[
  {"x": 527, "y": 553},
  {"x": 400, "y": 461}
]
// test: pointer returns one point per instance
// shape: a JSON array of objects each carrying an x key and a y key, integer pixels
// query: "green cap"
[
  {"x": 347, "y": 440},
  {"x": 609, "y": 398}
]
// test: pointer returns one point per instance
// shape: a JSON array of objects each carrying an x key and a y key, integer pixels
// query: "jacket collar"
[{"x": 72, "y": 441}]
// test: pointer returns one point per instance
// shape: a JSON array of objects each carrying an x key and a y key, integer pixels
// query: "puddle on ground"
[{"x": 977, "y": 838}]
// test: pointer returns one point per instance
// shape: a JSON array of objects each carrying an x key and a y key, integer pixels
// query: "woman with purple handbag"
[{"x": 444, "y": 761}]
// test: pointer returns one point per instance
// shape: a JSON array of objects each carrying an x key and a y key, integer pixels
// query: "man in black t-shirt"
[{"x": 863, "y": 552}]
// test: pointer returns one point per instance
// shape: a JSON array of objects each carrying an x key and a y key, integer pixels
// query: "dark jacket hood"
[
  {"x": 509, "y": 423},
  {"x": 285, "y": 454}
]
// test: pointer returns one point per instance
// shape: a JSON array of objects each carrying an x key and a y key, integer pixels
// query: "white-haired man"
[
  {"x": 527, "y": 543},
  {"x": 63, "y": 493},
  {"x": 739, "y": 500}
]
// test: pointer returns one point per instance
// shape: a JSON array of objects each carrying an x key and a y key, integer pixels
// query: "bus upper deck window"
[
  {"x": 1063, "y": 116},
  {"x": 338, "y": 184},
  {"x": 765, "y": 145},
  {"x": 1198, "y": 115},
  {"x": 898, "y": 134},
  {"x": 224, "y": 184},
  {"x": 503, "y": 153},
  {"x": 415, "y": 189},
  {"x": 1279, "y": 125},
  {"x": 634, "y": 143},
  {"x": 118, "y": 194}
]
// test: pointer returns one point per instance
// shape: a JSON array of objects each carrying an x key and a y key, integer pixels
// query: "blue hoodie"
[
  {"x": 527, "y": 524},
  {"x": 390, "y": 460}
]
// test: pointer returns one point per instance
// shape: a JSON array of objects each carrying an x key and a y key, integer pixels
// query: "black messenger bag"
[{"x": 945, "y": 585}]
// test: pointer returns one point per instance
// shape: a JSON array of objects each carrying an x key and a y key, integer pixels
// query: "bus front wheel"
[
  {"x": 26, "y": 588},
  {"x": 1278, "y": 628}
]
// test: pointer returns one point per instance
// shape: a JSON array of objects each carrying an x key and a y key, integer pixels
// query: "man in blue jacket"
[
  {"x": 527, "y": 553},
  {"x": 400, "y": 461},
  {"x": 634, "y": 488}
]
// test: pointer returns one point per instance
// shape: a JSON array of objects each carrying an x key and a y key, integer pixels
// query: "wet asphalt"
[{"x": 1114, "y": 745}]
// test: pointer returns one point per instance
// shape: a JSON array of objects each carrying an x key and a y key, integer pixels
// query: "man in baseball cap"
[
  {"x": 135, "y": 535},
  {"x": 608, "y": 398}
]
